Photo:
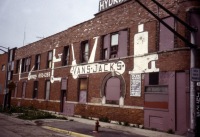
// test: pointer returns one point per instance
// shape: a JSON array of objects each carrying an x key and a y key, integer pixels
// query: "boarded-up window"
[
  {"x": 83, "y": 90},
  {"x": 112, "y": 91},
  {"x": 23, "y": 89},
  {"x": 47, "y": 90},
  {"x": 35, "y": 89},
  {"x": 166, "y": 38}
]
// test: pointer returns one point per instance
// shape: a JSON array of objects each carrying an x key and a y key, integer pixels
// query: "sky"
[{"x": 26, "y": 21}]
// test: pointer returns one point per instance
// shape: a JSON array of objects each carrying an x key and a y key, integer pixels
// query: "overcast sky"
[{"x": 40, "y": 18}]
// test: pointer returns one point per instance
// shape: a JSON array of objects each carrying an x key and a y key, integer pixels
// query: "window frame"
[
  {"x": 65, "y": 58},
  {"x": 81, "y": 91},
  {"x": 3, "y": 67},
  {"x": 47, "y": 92},
  {"x": 24, "y": 85},
  {"x": 49, "y": 60},
  {"x": 17, "y": 66},
  {"x": 85, "y": 51},
  {"x": 114, "y": 48},
  {"x": 112, "y": 102},
  {"x": 37, "y": 61},
  {"x": 154, "y": 78},
  {"x": 35, "y": 92}
]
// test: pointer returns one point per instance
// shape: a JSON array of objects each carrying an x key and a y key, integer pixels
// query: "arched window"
[{"x": 112, "y": 90}]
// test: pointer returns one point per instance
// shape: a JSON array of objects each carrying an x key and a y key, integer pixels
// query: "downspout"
[{"x": 192, "y": 86}]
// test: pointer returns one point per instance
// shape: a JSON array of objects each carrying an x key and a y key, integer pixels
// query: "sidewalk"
[{"x": 86, "y": 127}]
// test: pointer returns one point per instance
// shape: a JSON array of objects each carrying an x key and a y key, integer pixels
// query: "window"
[
  {"x": 17, "y": 66},
  {"x": 166, "y": 38},
  {"x": 84, "y": 51},
  {"x": 3, "y": 67},
  {"x": 154, "y": 78},
  {"x": 47, "y": 89},
  {"x": 50, "y": 59},
  {"x": 35, "y": 89},
  {"x": 65, "y": 60},
  {"x": 26, "y": 62},
  {"x": 83, "y": 90},
  {"x": 37, "y": 61},
  {"x": 115, "y": 45},
  {"x": 15, "y": 95},
  {"x": 23, "y": 89},
  {"x": 112, "y": 91}
]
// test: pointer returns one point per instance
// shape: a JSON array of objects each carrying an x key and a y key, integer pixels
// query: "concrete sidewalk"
[{"x": 117, "y": 127}]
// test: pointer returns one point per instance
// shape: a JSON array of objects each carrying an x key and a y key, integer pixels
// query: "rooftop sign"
[{"x": 106, "y": 4}]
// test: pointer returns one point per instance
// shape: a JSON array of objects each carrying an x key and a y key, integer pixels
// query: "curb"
[{"x": 75, "y": 134}]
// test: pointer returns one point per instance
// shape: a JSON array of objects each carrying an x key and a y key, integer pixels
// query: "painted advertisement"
[
  {"x": 143, "y": 62},
  {"x": 135, "y": 83},
  {"x": 91, "y": 68}
]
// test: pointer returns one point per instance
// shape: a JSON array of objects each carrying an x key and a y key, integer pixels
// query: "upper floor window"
[
  {"x": 65, "y": 60},
  {"x": 17, "y": 66},
  {"x": 166, "y": 37},
  {"x": 26, "y": 62},
  {"x": 37, "y": 61},
  {"x": 3, "y": 67},
  {"x": 115, "y": 45},
  {"x": 84, "y": 51},
  {"x": 50, "y": 59}
]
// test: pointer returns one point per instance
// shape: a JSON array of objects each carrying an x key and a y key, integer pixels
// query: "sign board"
[
  {"x": 195, "y": 74},
  {"x": 135, "y": 85},
  {"x": 197, "y": 107},
  {"x": 106, "y": 4}
]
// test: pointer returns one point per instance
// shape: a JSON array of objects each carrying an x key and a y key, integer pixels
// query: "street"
[
  {"x": 13, "y": 127},
  {"x": 10, "y": 126}
]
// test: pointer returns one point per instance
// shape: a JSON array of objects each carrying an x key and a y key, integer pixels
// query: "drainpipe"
[{"x": 192, "y": 87}]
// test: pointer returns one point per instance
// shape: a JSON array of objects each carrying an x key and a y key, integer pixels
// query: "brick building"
[
  {"x": 3, "y": 62},
  {"x": 123, "y": 65}
]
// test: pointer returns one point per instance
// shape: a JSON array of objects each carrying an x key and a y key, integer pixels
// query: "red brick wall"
[
  {"x": 127, "y": 15},
  {"x": 3, "y": 61}
]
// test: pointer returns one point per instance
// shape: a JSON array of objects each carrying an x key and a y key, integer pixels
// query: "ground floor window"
[
  {"x": 35, "y": 89},
  {"x": 83, "y": 85},
  {"x": 24, "y": 89},
  {"x": 47, "y": 89},
  {"x": 112, "y": 91}
]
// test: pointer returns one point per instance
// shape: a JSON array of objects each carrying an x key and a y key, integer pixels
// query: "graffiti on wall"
[
  {"x": 44, "y": 74},
  {"x": 91, "y": 67},
  {"x": 143, "y": 62}
]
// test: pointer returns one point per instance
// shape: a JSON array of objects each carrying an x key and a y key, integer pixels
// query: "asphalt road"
[{"x": 13, "y": 127}]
